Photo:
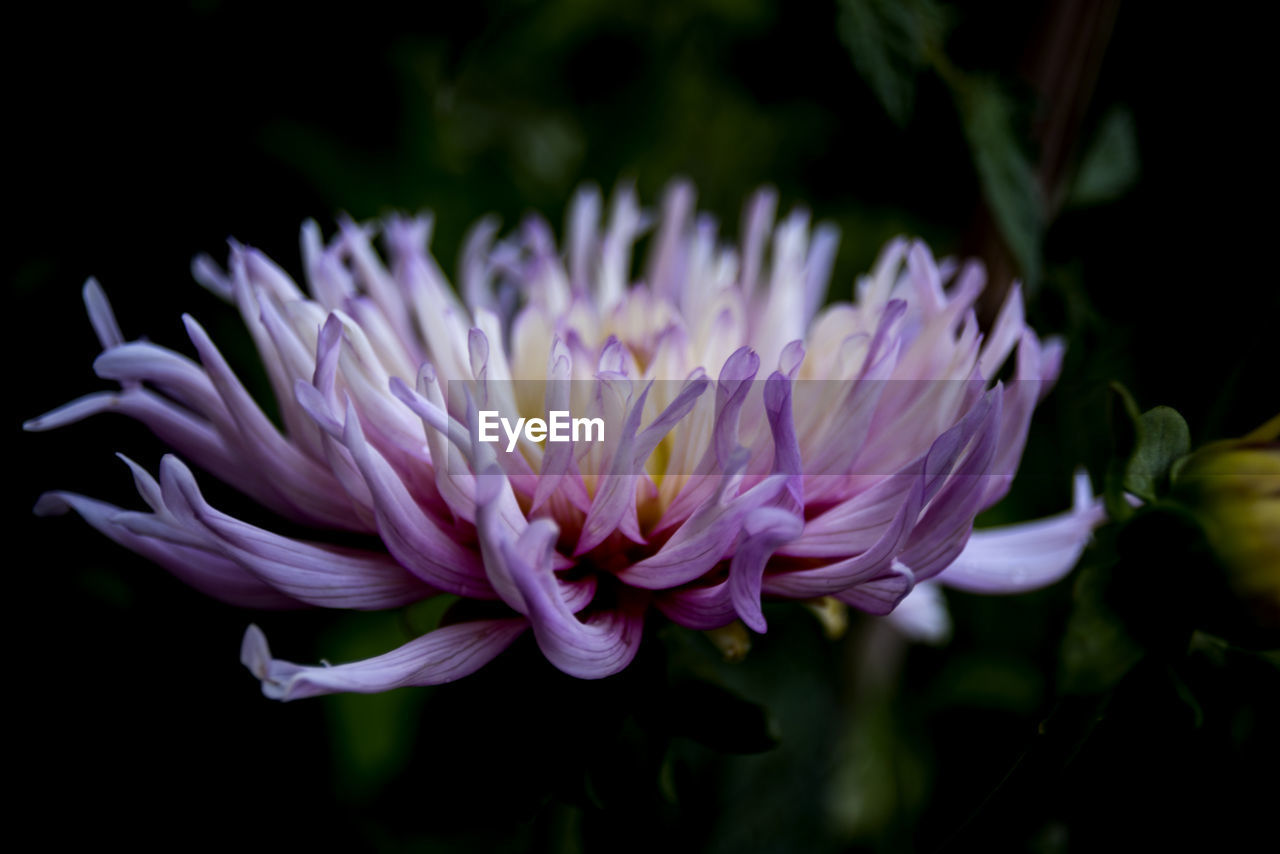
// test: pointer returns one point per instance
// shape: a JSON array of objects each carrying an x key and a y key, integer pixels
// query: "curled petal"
[
  {"x": 1037, "y": 369},
  {"x": 698, "y": 607},
  {"x": 307, "y": 486},
  {"x": 601, "y": 645},
  {"x": 101, "y": 317},
  {"x": 210, "y": 573},
  {"x": 922, "y": 615},
  {"x": 1029, "y": 555},
  {"x": 614, "y": 505},
  {"x": 174, "y": 374},
  {"x": 947, "y": 522},
  {"x": 416, "y": 540},
  {"x": 766, "y": 529},
  {"x": 732, "y": 389},
  {"x": 861, "y": 569},
  {"x": 187, "y": 433},
  {"x": 558, "y": 469},
  {"x": 705, "y": 539},
  {"x": 315, "y": 573},
  {"x": 882, "y": 594},
  {"x": 444, "y": 655}
]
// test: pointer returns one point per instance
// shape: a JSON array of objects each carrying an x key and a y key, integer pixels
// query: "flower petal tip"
[{"x": 50, "y": 504}]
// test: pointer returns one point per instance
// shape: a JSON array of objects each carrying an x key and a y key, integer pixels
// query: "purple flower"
[{"x": 755, "y": 444}]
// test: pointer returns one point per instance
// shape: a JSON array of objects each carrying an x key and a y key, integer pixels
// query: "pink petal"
[
  {"x": 211, "y": 574},
  {"x": 1028, "y": 555},
  {"x": 444, "y": 655},
  {"x": 315, "y": 573}
]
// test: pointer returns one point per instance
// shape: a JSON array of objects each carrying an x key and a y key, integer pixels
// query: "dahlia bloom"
[{"x": 756, "y": 445}]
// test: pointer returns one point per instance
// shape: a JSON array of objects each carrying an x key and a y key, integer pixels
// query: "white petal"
[
  {"x": 1017, "y": 558},
  {"x": 922, "y": 615}
]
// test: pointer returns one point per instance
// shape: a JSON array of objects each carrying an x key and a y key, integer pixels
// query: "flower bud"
[{"x": 1233, "y": 488}]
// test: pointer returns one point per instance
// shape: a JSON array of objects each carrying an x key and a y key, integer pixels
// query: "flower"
[
  {"x": 1232, "y": 487},
  {"x": 758, "y": 445}
]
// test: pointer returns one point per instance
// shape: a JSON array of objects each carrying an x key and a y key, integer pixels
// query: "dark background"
[{"x": 140, "y": 138}]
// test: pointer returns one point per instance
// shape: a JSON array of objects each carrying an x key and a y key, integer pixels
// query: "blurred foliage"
[
  {"x": 1110, "y": 166},
  {"x": 891, "y": 45},
  {"x": 1008, "y": 180},
  {"x": 1107, "y": 710}
]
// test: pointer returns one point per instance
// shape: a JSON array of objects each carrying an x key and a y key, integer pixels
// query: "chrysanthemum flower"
[{"x": 757, "y": 445}]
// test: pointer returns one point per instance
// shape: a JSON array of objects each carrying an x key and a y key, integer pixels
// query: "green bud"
[{"x": 1233, "y": 488}]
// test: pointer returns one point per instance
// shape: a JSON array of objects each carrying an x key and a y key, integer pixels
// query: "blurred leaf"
[
  {"x": 1008, "y": 179},
  {"x": 1110, "y": 167},
  {"x": 1097, "y": 650},
  {"x": 372, "y": 738},
  {"x": 890, "y": 44},
  {"x": 871, "y": 751},
  {"x": 425, "y": 616},
  {"x": 548, "y": 149},
  {"x": 1187, "y": 696},
  {"x": 372, "y": 734}
]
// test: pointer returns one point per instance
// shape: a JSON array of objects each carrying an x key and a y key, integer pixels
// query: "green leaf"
[
  {"x": 1110, "y": 166},
  {"x": 890, "y": 44},
  {"x": 1145, "y": 447},
  {"x": 1163, "y": 437}
]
